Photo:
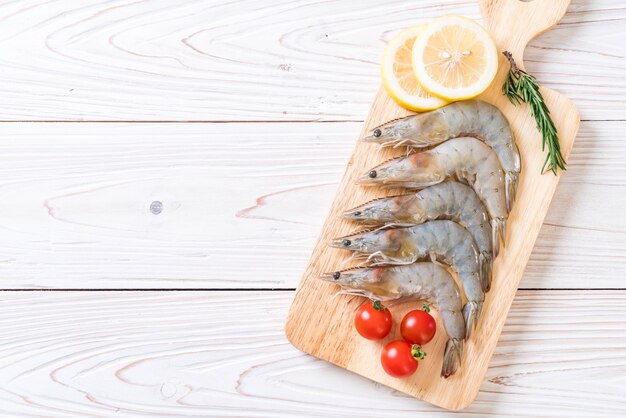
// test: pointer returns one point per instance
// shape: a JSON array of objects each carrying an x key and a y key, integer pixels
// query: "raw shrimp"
[
  {"x": 418, "y": 281},
  {"x": 444, "y": 240},
  {"x": 468, "y": 118},
  {"x": 448, "y": 200},
  {"x": 467, "y": 158}
]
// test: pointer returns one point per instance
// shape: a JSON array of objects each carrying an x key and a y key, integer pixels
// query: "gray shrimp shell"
[{"x": 474, "y": 118}]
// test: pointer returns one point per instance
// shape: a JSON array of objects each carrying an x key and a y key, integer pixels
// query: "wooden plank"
[
  {"x": 76, "y": 201},
  {"x": 258, "y": 60},
  {"x": 75, "y": 198},
  {"x": 197, "y": 354}
]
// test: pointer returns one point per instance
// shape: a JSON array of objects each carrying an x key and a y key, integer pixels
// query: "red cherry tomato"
[
  {"x": 373, "y": 321},
  {"x": 418, "y": 326},
  {"x": 399, "y": 358}
]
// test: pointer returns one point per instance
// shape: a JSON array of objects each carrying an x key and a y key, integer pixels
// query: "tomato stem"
[
  {"x": 378, "y": 306},
  {"x": 417, "y": 352},
  {"x": 426, "y": 307}
]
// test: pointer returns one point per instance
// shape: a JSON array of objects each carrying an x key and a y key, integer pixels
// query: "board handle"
[{"x": 526, "y": 19}]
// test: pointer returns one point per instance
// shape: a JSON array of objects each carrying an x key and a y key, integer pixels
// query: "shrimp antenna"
[{"x": 390, "y": 121}]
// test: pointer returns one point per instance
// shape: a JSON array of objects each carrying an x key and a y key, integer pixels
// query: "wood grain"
[
  {"x": 258, "y": 60},
  {"x": 321, "y": 325},
  {"x": 75, "y": 198},
  {"x": 195, "y": 354}
]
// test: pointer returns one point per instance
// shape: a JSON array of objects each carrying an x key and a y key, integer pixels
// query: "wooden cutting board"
[{"x": 321, "y": 323}]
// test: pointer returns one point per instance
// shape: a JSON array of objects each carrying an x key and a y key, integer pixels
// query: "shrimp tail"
[
  {"x": 498, "y": 233},
  {"x": 510, "y": 189},
  {"x": 484, "y": 260},
  {"x": 452, "y": 357},
  {"x": 471, "y": 313}
]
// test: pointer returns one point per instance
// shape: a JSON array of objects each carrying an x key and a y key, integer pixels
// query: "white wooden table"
[{"x": 165, "y": 167}]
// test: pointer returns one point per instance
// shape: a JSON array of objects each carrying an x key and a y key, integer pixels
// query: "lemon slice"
[
  {"x": 455, "y": 58},
  {"x": 398, "y": 76}
]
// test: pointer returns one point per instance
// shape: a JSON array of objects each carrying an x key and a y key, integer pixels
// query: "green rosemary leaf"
[{"x": 519, "y": 86}]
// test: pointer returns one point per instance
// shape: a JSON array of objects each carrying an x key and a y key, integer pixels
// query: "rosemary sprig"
[{"x": 520, "y": 86}]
